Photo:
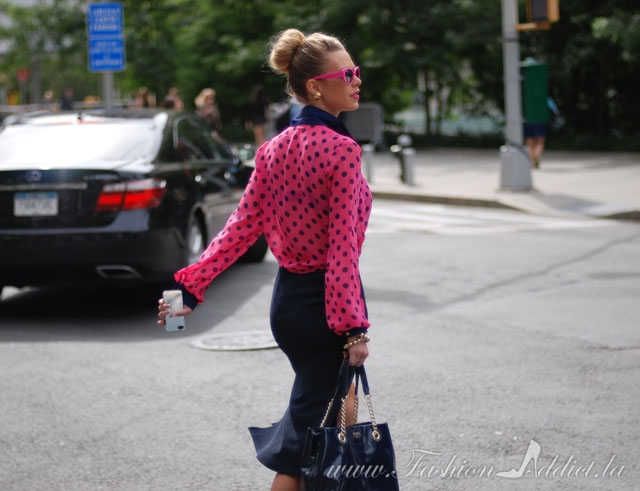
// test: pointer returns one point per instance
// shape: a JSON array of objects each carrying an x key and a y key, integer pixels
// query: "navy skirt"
[
  {"x": 299, "y": 326},
  {"x": 535, "y": 130}
]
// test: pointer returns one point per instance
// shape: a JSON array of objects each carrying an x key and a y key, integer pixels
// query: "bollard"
[
  {"x": 404, "y": 154},
  {"x": 407, "y": 163},
  {"x": 367, "y": 158},
  {"x": 396, "y": 150},
  {"x": 405, "y": 141}
]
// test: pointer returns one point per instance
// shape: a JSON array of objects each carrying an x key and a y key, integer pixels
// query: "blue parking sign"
[{"x": 105, "y": 30}]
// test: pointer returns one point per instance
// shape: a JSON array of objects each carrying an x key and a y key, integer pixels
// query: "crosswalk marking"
[{"x": 397, "y": 216}]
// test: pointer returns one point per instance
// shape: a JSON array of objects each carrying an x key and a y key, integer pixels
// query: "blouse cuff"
[
  {"x": 188, "y": 298},
  {"x": 356, "y": 331}
]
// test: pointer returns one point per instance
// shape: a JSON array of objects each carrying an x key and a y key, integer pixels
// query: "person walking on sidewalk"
[
  {"x": 535, "y": 135},
  {"x": 308, "y": 196},
  {"x": 257, "y": 114}
]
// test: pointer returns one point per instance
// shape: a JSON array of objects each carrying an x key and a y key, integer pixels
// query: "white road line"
[{"x": 392, "y": 217}]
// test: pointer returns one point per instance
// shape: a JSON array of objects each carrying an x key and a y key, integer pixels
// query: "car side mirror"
[{"x": 246, "y": 152}]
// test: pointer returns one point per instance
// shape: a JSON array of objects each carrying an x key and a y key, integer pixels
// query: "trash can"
[{"x": 535, "y": 91}]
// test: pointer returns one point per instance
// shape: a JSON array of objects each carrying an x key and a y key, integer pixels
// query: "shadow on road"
[{"x": 117, "y": 314}]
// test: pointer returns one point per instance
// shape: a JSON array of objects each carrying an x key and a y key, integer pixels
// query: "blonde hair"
[
  {"x": 204, "y": 93},
  {"x": 301, "y": 57}
]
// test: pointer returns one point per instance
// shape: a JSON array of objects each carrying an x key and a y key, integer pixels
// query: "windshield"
[{"x": 72, "y": 144}]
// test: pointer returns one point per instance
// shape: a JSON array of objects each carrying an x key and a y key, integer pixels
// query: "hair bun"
[{"x": 283, "y": 47}]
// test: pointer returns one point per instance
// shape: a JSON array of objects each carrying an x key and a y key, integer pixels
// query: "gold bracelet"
[{"x": 360, "y": 339}]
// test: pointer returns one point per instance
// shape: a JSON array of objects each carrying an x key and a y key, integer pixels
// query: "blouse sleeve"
[
  {"x": 243, "y": 228},
  {"x": 344, "y": 302}
]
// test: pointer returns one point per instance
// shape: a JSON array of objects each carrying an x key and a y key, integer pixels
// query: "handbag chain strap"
[
  {"x": 342, "y": 410},
  {"x": 356, "y": 402},
  {"x": 375, "y": 434},
  {"x": 362, "y": 374},
  {"x": 342, "y": 436},
  {"x": 341, "y": 390},
  {"x": 326, "y": 414}
]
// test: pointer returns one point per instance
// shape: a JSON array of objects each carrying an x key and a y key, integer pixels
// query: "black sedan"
[{"x": 116, "y": 196}]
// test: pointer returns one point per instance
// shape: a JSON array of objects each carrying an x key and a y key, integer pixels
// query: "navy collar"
[{"x": 311, "y": 115}]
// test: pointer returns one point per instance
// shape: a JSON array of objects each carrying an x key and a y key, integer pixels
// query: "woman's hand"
[
  {"x": 163, "y": 311},
  {"x": 356, "y": 353}
]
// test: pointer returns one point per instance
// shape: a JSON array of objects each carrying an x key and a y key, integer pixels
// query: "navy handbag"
[{"x": 349, "y": 458}]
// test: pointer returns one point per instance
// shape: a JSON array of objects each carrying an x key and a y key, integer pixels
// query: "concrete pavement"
[{"x": 568, "y": 184}]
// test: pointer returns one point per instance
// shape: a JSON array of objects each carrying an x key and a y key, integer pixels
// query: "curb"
[
  {"x": 443, "y": 200},
  {"x": 629, "y": 215}
]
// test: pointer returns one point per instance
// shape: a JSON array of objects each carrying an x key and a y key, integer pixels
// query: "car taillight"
[{"x": 132, "y": 195}]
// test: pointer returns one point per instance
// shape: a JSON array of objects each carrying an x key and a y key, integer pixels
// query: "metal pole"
[
  {"x": 511, "y": 62},
  {"x": 367, "y": 157},
  {"x": 407, "y": 160},
  {"x": 515, "y": 168},
  {"x": 107, "y": 89}
]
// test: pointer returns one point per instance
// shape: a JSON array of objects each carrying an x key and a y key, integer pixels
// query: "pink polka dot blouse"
[{"x": 308, "y": 196}]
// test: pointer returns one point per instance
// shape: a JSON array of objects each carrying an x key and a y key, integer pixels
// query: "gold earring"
[{"x": 317, "y": 96}]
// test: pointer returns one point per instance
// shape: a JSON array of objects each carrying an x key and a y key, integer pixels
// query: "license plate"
[{"x": 35, "y": 204}]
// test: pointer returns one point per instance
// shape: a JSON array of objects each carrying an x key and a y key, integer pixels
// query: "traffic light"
[
  {"x": 543, "y": 11},
  {"x": 540, "y": 15}
]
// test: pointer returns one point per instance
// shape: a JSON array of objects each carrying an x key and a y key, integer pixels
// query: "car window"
[
  {"x": 76, "y": 143},
  {"x": 194, "y": 142},
  {"x": 191, "y": 144}
]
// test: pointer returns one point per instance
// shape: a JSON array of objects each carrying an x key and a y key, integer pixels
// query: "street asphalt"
[{"x": 488, "y": 352}]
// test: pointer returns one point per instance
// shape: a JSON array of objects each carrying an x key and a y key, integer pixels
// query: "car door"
[{"x": 214, "y": 170}]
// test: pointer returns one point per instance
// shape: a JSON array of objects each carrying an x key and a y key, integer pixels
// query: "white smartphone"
[{"x": 174, "y": 299}]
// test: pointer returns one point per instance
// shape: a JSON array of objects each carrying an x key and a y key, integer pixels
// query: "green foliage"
[
  {"x": 151, "y": 52},
  {"x": 449, "y": 52},
  {"x": 50, "y": 40},
  {"x": 593, "y": 59}
]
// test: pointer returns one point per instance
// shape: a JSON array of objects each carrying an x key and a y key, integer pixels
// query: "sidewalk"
[{"x": 569, "y": 184}]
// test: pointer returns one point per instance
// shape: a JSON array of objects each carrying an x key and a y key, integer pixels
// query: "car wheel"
[
  {"x": 256, "y": 252},
  {"x": 195, "y": 241}
]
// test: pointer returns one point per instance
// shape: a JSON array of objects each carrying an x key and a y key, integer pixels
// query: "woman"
[
  {"x": 535, "y": 135},
  {"x": 309, "y": 198},
  {"x": 173, "y": 100},
  {"x": 207, "y": 109},
  {"x": 258, "y": 114}
]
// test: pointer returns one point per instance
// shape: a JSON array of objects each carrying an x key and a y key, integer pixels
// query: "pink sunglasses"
[{"x": 347, "y": 75}]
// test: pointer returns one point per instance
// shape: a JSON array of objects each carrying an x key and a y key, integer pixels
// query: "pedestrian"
[
  {"x": 66, "y": 101},
  {"x": 207, "y": 109},
  {"x": 290, "y": 112},
  {"x": 172, "y": 100},
  {"x": 308, "y": 196},
  {"x": 144, "y": 98},
  {"x": 257, "y": 114},
  {"x": 535, "y": 135},
  {"x": 48, "y": 102}
]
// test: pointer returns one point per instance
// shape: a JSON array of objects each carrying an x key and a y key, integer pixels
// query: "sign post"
[{"x": 105, "y": 32}]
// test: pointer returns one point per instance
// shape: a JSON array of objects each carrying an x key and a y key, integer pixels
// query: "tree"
[
  {"x": 408, "y": 40},
  {"x": 449, "y": 51},
  {"x": 152, "y": 53},
  {"x": 592, "y": 53},
  {"x": 50, "y": 40}
]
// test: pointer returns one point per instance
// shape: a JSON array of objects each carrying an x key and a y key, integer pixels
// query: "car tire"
[
  {"x": 256, "y": 252},
  {"x": 195, "y": 241}
]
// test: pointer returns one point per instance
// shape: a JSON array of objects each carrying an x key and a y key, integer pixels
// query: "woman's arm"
[{"x": 345, "y": 306}]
